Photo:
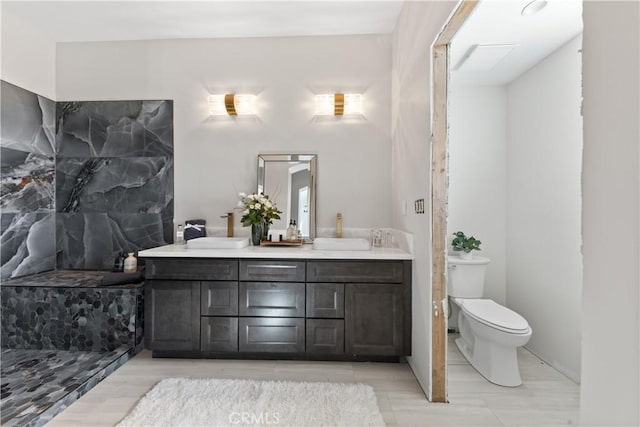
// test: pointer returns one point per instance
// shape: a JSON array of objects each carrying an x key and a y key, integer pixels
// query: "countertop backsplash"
[{"x": 393, "y": 238}]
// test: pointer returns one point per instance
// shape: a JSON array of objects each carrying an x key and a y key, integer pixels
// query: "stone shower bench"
[
  {"x": 71, "y": 310},
  {"x": 65, "y": 332}
]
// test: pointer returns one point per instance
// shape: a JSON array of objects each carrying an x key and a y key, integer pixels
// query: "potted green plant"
[{"x": 464, "y": 245}]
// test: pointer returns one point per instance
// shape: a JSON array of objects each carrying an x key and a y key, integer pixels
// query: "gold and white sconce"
[
  {"x": 232, "y": 104},
  {"x": 338, "y": 104}
]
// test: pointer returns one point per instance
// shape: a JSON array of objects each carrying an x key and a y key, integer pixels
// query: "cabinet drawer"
[
  {"x": 271, "y": 335},
  {"x": 219, "y": 299},
  {"x": 272, "y": 271},
  {"x": 273, "y": 299},
  {"x": 192, "y": 269},
  {"x": 325, "y": 336},
  {"x": 219, "y": 334},
  {"x": 355, "y": 271},
  {"x": 325, "y": 300}
]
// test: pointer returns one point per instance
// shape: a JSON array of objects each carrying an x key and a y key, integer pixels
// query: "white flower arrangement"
[{"x": 257, "y": 208}]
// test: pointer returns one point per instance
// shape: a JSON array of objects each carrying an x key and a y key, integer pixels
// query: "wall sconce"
[
  {"x": 338, "y": 104},
  {"x": 231, "y": 104}
]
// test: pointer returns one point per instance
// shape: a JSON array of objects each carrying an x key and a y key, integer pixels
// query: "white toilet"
[{"x": 489, "y": 333}]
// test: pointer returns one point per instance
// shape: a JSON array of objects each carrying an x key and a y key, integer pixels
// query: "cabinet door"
[
  {"x": 325, "y": 300},
  {"x": 272, "y": 299},
  {"x": 271, "y": 335},
  {"x": 373, "y": 319},
  {"x": 219, "y": 299},
  {"x": 174, "y": 315},
  {"x": 219, "y": 334},
  {"x": 325, "y": 336}
]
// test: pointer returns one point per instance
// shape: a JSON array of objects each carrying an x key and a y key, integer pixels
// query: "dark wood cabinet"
[
  {"x": 219, "y": 299},
  {"x": 272, "y": 270},
  {"x": 325, "y": 336},
  {"x": 191, "y": 269},
  {"x": 271, "y": 335},
  {"x": 373, "y": 319},
  {"x": 272, "y": 299},
  {"x": 173, "y": 315},
  {"x": 279, "y": 308},
  {"x": 325, "y": 300},
  {"x": 355, "y": 271},
  {"x": 219, "y": 334}
]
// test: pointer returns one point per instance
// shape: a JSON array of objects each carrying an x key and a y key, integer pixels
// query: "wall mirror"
[{"x": 290, "y": 181}]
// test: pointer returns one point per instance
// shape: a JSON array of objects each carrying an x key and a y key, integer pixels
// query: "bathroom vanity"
[{"x": 262, "y": 302}]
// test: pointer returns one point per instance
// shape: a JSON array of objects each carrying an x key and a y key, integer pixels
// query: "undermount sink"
[
  {"x": 218, "y": 243},
  {"x": 341, "y": 244}
]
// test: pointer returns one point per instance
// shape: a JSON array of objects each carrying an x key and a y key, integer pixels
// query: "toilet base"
[{"x": 497, "y": 364}]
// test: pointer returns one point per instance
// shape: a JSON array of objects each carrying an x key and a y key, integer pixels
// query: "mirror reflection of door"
[
  {"x": 298, "y": 201},
  {"x": 303, "y": 211}
]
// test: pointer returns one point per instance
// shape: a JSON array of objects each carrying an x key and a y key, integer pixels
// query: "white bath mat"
[{"x": 213, "y": 402}]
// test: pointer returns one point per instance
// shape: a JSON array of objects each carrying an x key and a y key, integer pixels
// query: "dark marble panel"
[
  {"x": 27, "y": 120},
  {"x": 84, "y": 319},
  {"x": 92, "y": 240},
  {"x": 26, "y": 181},
  {"x": 115, "y": 129},
  {"x": 27, "y": 243},
  {"x": 37, "y": 384},
  {"x": 134, "y": 184}
]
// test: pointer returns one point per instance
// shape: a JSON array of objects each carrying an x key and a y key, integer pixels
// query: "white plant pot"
[{"x": 465, "y": 255}]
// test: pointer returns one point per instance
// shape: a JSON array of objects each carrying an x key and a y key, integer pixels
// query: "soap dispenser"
[
  {"x": 131, "y": 264},
  {"x": 289, "y": 235}
]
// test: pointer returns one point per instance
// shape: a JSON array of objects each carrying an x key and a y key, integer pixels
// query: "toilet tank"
[{"x": 466, "y": 277}]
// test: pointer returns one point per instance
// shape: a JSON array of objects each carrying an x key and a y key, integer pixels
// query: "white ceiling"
[
  {"x": 78, "y": 21},
  {"x": 492, "y": 22},
  {"x": 500, "y": 22}
]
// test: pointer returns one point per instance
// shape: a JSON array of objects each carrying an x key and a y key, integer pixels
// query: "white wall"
[
  {"x": 477, "y": 175},
  {"x": 27, "y": 56},
  {"x": 214, "y": 159},
  {"x": 544, "y": 156},
  {"x": 610, "y": 391},
  {"x": 416, "y": 29}
]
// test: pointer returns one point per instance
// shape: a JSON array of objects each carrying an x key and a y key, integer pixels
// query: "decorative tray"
[{"x": 297, "y": 242}]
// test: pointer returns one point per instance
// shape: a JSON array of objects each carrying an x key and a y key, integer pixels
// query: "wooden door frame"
[{"x": 439, "y": 188}]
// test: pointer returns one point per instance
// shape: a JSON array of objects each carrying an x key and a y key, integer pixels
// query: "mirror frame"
[{"x": 302, "y": 158}]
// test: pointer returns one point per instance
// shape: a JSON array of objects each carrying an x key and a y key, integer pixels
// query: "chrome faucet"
[
  {"x": 339, "y": 225},
  {"x": 229, "y": 217}
]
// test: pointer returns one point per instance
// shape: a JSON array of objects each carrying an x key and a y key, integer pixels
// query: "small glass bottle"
[
  {"x": 296, "y": 233},
  {"x": 130, "y": 264},
  {"x": 180, "y": 235}
]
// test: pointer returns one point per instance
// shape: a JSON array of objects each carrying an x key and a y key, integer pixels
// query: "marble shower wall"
[
  {"x": 27, "y": 182},
  {"x": 114, "y": 180},
  {"x": 82, "y": 181}
]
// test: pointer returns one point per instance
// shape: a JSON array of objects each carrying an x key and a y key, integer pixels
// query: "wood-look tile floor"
[{"x": 546, "y": 398}]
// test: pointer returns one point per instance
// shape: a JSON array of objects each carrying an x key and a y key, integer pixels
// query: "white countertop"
[{"x": 296, "y": 252}]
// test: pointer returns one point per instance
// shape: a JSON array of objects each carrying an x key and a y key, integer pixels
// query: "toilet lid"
[{"x": 495, "y": 315}]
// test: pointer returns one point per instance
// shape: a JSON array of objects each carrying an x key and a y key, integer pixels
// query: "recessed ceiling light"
[{"x": 534, "y": 7}]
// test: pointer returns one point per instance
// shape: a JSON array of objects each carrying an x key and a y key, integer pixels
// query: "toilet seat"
[{"x": 494, "y": 315}]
